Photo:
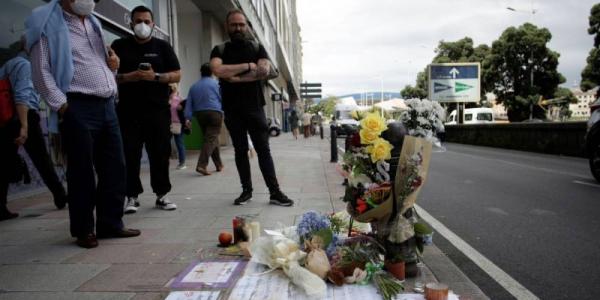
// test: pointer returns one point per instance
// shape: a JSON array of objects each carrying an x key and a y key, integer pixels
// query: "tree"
[
  {"x": 410, "y": 92},
  {"x": 590, "y": 76},
  {"x": 326, "y": 106},
  {"x": 520, "y": 68}
]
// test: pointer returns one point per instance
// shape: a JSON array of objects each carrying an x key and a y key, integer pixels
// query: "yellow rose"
[
  {"x": 368, "y": 136},
  {"x": 373, "y": 122},
  {"x": 380, "y": 150}
]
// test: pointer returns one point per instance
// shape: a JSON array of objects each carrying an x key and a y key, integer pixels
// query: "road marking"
[
  {"x": 587, "y": 183},
  {"x": 520, "y": 165},
  {"x": 505, "y": 280}
]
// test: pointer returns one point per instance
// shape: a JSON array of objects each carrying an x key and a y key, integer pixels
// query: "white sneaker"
[
  {"x": 163, "y": 202},
  {"x": 131, "y": 205},
  {"x": 181, "y": 167}
]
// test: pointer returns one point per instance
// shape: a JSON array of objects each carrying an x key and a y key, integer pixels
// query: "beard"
[{"x": 238, "y": 36}]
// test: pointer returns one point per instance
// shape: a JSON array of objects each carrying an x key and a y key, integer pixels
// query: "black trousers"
[
  {"x": 150, "y": 129},
  {"x": 94, "y": 148},
  {"x": 240, "y": 123},
  {"x": 8, "y": 153},
  {"x": 35, "y": 146}
]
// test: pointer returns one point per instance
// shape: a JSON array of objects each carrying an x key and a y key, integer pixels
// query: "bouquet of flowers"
[
  {"x": 424, "y": 119},
  {"x": 366, "y": 165}
]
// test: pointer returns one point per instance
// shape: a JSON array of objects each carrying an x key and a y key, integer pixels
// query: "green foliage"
[
  {"x": 410, "y": 92},
  {"x": 326, "y": 106},
  {"x": 590, "y": 76},
  {"x": 507, "y": 70},
  {"x": 422, "y": 228}
]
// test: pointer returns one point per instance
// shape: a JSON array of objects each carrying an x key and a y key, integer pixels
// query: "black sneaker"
[
  {"x": 279, "y": 198},
  {"x": 243, "y": 198}
]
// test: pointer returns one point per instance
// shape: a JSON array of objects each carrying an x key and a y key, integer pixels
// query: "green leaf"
[
  {"x": 326, "y": 235},
  {"x": 422, "y": 228}
]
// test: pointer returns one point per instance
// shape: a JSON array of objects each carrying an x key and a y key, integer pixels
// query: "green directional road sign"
[
  {"x": 459, "y": 87},
  {"x": 454, "y": 82}
]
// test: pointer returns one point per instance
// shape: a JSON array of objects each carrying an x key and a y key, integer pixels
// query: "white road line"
[
  {"x": 507, "y": 282},
  {"x": 521, "y": 165},
  {"x": 587, "y": 183}
]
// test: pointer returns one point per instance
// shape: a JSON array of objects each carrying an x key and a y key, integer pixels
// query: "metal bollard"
[
  {"x": 321, "y": 131},
  {"x": 333, "y": 137}
]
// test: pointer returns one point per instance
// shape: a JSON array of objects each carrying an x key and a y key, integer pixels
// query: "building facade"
[{"x": 581, "y": 109}]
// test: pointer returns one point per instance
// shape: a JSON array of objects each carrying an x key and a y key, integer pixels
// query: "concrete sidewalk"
[{"x": 39, "y": 259}]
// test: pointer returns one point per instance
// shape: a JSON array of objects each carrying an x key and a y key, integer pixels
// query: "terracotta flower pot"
[{"x": 396, "y": 269}]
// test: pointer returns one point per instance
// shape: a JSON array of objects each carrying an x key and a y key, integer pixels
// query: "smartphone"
[{"x": 144, "y": 66}]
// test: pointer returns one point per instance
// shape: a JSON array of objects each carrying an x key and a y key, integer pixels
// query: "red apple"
[{"x": 225, "y": 238}]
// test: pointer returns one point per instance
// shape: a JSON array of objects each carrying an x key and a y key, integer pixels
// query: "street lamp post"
[{"x": 532, "y": 11}]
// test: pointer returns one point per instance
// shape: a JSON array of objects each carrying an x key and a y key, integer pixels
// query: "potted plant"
[{"x": 394, "y": 264}]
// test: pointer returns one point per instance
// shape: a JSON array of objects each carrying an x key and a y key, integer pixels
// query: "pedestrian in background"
[
  {"x": 306, "y": 124},
  {"x": 293, "y": 121},
  {"x": 178, "y": 125},
  {"x": 148, "y": 66},
  {"x": 74, "y": 72},
  {"x": 242, "y": 65},
  {"x": 27, "y": 100},
  {"x": 204, "y": 102}
]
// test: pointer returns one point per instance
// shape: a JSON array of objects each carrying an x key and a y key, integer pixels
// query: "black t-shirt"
[
  {"x": 244, "y": 95},
  {"x": 145, "y": 94}
]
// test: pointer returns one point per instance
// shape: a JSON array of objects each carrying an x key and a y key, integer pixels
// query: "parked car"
[
  {"x": 592, "y": 139},
  {"x": 274, "y": 127},
  {"x": 472, "y": 116}
]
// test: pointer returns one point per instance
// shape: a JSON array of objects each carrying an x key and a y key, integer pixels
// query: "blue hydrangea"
[
  {"x": 310, "y": 222},
  {"x": 332, "y": 248}
]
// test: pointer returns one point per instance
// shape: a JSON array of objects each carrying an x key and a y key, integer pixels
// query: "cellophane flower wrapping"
[{"x": 281, "y": 252}]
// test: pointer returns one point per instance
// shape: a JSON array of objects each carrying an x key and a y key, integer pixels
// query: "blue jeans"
[
  {"x": 94, "y": 150},
  {"x": 180, "y": 147}
]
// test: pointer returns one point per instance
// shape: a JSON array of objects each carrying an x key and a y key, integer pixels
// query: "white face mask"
[
  {"x": 83, "y": 7},
  {"x": 142, "y": 31}
]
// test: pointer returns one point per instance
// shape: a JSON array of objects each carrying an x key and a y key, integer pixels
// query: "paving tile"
[
  {"x": 133, "y": 277},
  {"x": 66, "y": 296},
  {"x": 38, "y": 253},
  {"x": 34, "y": 224},
  {"x": 150, "y": 296},
  {"x": 47, "y": 277},
  {"x": 34, "y": 237},
  {"x": 126, "y": 253}
]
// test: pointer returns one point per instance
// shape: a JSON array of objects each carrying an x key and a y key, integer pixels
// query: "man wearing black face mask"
[
  {"x": 147, "y": 67},
  {"x": 242, "y": 65}
]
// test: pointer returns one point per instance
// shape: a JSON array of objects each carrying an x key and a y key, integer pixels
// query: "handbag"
[{"x": 176, "y": 128}]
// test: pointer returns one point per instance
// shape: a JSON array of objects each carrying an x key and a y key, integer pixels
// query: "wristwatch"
[{"x": 156, "y": 76}]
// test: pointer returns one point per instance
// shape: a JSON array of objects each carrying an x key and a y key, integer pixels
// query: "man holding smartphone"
[{"x": 147, "y": 67}]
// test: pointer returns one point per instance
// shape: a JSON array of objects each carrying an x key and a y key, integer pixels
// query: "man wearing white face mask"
[
  {"x": 147, "y": 67},
  {"x": 73, "y": 70}
]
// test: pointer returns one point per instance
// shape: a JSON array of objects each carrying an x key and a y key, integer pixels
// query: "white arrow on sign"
[{"x": 454, "y": 72}]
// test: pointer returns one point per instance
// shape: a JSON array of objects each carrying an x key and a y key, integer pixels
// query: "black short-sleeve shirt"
[
  {"x": 144, "y": 95},
  {"x": 245, "y": 95}
]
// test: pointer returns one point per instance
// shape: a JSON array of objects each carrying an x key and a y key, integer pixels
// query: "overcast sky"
[{"x": 350, "y": 45}]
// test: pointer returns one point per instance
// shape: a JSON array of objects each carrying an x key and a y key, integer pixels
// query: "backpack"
[
  {"x": 7, "y": 104},
  {"x": 273, "y": 71}
]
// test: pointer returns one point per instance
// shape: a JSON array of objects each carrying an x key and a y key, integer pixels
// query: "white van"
[{"x": 472, "y": 116}]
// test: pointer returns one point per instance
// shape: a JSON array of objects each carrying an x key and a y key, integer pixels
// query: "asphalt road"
[{"x": 535, "y": 216}]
